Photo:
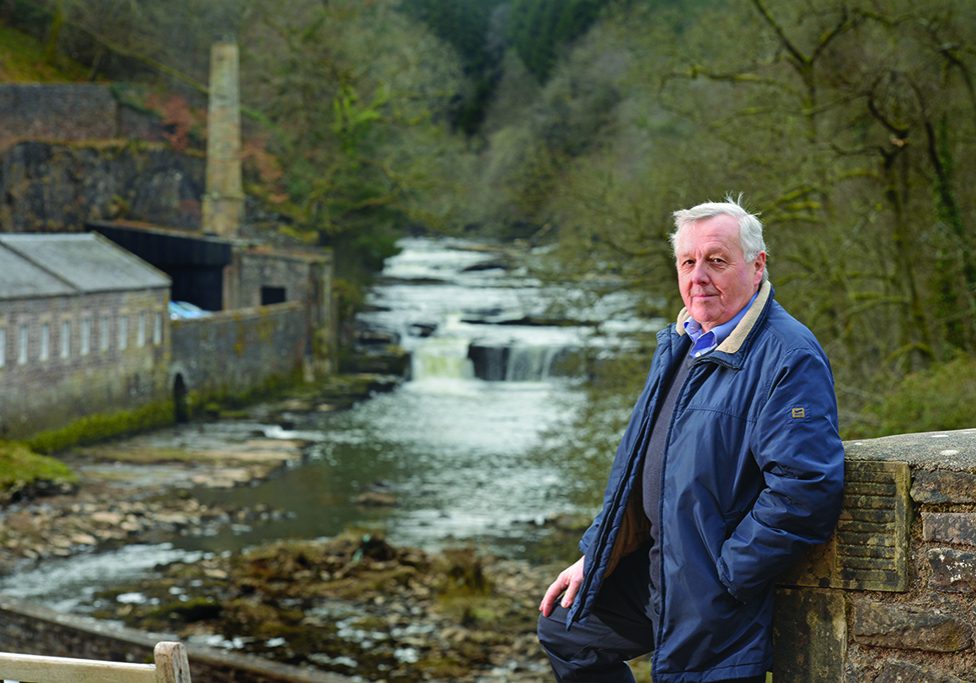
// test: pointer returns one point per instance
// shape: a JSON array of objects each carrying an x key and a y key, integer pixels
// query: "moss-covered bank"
[
  {"x": 24, "y": 473},
  {"x": 101, "y": 426}
]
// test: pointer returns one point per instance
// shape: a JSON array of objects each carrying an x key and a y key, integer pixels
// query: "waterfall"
[
  {"x": 441, "y": 358},
  {"x": 519, "y": 362},
  {"x": 529, "y": 363}
]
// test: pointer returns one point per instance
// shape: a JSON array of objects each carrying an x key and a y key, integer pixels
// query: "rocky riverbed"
[{"x": 352, "y": 604}]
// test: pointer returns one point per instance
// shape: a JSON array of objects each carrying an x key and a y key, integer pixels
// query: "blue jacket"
[{"x": 753, "y": 474}]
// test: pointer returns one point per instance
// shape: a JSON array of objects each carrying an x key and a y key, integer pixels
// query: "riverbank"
[
  {"x": 352, "y": 604},
  {"x": 135, "y": 489}
]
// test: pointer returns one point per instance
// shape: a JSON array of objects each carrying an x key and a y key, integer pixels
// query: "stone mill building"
[{"x": 108, "y": 237}]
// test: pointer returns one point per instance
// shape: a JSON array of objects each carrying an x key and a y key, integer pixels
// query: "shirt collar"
[{"x": 704, "y": 342}]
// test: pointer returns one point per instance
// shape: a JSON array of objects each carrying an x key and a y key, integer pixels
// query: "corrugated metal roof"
[
  {"x": 80, "y": 262},
  {"x": 21, "y": 279}
]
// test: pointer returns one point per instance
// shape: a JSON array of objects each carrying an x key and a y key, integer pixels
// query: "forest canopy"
[{"x": 848, "y": 125}]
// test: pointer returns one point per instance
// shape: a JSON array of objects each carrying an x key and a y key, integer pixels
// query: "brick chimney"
[{"x": 223, "y": 203}]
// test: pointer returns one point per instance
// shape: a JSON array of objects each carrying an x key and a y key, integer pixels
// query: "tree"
[{"x": 356, "y": 96}]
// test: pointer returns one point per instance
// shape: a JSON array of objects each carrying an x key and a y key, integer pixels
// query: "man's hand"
[{"x": 567, "y": 583}]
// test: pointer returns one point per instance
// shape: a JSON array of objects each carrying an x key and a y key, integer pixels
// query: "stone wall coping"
[
  {"x": 252, "y": 312},
  {"x": 948, "y": 450},
  {"x": 52, "y": 87}
]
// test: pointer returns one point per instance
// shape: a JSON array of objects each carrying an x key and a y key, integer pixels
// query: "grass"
[
  {"x": 23, "y": 60},
  {"x": 21, "y": 467}
]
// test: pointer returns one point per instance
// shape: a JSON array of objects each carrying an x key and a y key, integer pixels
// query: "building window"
[
  {"x": 158, "y": 330},
  {"x": 103, "y": 333},
  {"x": 3, "y": 347},
  {"x": 141, "y": 332},
  {"x": 123, "y": 332},
  {"x": 45, "y": 351},
  {"x": 86, "y": 330},
  {"x": 272, "y": 295},
  {"x": 23, "y": 338},
  {"x": 65, "y": 338}
]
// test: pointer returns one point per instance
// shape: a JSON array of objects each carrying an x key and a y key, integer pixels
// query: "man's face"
[{"x": 715, "y": 280}]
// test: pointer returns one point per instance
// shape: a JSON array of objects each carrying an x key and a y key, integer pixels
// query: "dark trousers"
[{"x": 618, "y": 629}]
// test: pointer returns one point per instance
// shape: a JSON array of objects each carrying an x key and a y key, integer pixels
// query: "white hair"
[{"x": 750, "y": 227}]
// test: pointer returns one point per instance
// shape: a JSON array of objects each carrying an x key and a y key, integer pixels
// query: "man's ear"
[{"x": 760, "y": 264}]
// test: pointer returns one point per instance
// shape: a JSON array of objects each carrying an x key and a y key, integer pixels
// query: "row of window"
[{"x": 40, "y": 349}]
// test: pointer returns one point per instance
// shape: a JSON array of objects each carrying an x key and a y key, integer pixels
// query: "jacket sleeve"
[{"x": 799, "y": 451}]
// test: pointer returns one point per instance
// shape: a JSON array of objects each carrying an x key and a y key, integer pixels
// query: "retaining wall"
[
  {"x": 59, "y": 187},
  {"x": 232, "y": 353},
  {"x": 892, "y": 597},
  {"x": 65, "y": 112},
  {"x": 62, "y": 111}
]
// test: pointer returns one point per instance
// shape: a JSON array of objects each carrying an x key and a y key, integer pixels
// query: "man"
[{"x": 731, "y": 465}]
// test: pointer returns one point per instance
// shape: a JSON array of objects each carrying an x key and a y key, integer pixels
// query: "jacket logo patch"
[{"x": 798, "y": 413}]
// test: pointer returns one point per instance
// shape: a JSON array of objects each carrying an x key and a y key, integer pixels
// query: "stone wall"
[
  {"x": 300, "y": 277},
  {"x": 48, "y": 187},
  {"x": 58, "y": 378},
  {"x": 259, "y": 268},
  {"x": 32, "y": 629},
  {"x": 893, "y": 596},
  {"x": 232, "y": 353},
  {"x": 63, "y": 111}
]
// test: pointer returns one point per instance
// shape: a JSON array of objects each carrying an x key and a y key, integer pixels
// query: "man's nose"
[{"x": 699, "y": 273}]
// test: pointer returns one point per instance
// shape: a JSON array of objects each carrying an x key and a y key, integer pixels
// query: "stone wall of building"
[
  {"x": 84, "y": 355},
  {"x": 32, "y": 629},
  {"x": 233, "y": 353},
  {"x": 262, "y": 271},
  {"x": 265, "y": 268},
  {"x": 893, "y": 596}
]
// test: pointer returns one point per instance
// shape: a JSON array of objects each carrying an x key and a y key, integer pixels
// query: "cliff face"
[{"x": 47, "y": 186}]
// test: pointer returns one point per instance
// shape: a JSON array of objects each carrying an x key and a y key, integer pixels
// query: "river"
[{"x": 469, "y": 450}]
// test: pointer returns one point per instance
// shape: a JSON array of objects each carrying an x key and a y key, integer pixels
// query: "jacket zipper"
[
  {"x": 607, "y": 524},
  {"x": 664, "y": 468}
]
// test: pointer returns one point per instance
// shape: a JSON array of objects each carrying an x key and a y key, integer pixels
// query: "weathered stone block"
[
  {"x": 943, "y": 486},
  {"x": 869, "y": 549},
  {"x": 810, "y": 636},
  {"x": 949, "y": 527},
  {"x": 953, "y": 571},
  {"x": 909, "y": 628},
  {"x": 905, "y": 672}
]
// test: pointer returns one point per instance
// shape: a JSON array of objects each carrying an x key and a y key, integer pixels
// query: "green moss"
[
  {"x": 102, "y": 426},
  {"x": 98, "y": 427},
  {"x": 21, "y": 468},
  {"x": 22, "y": 60},
  {"x": 218, "y": 401}
]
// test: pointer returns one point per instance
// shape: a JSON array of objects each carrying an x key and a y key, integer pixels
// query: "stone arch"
[
  {"x": 181, "y": 406},
  {"x": 180, "y": 392}
]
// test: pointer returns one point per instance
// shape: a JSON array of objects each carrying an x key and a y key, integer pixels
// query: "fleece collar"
[{"x": 735, "y": 340}]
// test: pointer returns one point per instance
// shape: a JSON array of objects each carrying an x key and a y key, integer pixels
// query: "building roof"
[{"x": 33, "y": 265}]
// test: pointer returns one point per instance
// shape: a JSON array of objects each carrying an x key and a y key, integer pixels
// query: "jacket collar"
[{"x": 734, "y": 341}]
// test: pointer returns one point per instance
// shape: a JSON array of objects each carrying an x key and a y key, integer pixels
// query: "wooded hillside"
[{"x": 850, "y": 125}]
